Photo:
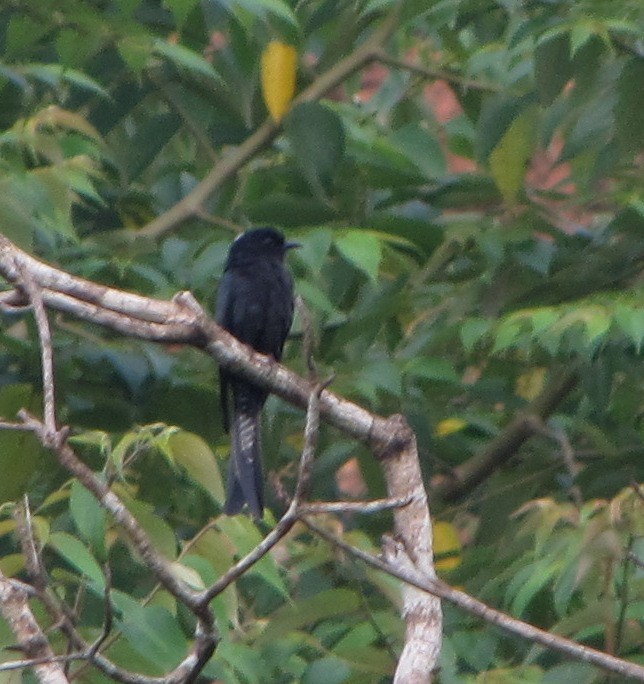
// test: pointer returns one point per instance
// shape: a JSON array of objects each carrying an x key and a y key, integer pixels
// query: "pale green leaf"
[
  {"x": 192, "y": 453},
  {"x": 508, "y": 161},
  {"x": 187, "y": 59},
  {"x": 89, "y": 517},
  {"x": 77, "y": 555},
  {"x": 362, "y": 249}
]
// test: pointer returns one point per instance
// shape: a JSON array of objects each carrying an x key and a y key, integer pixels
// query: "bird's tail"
[{"x": 245, "y": 476}]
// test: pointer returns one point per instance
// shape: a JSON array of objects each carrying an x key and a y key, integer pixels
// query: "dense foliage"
[{"x": 472, "y": 218}]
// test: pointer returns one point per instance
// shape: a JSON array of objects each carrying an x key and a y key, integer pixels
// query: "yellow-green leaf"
[
  {"x": 449, "y": 426},
  {"x": 509, "y": 158},
  {"x": 447, "y": 546},
  {"x": 279, "y": 68}
]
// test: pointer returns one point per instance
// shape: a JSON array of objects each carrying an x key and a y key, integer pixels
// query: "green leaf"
[
  {"x": 581, "y": 33},
  {"x": 362, "y": 249},
  {"x": 629, "y": 113},
  {"x": 421, "y": 148},
  {"x": 122, "y": 449},
  {"x": 135, "y": 51},
  {"x": 158, "y": 530},
  {"x": 527, "y": 583},
  {"x": 431, "y": 368},
  {"x": 180, "y": 9},
  {"x": 184, "y": 58},
  {"x": 473, "y": 330},
  {"x": 314, "y": 248},
  {"x": 507, "y": 334},
  {"x": 154, "y": 633},
  {"x": 497, "y": 115},
  {"x": 188, "y": 575},
  {"x": 508, "y": 161},
  {"x": 192, "y": 453},
  {"x": 303, "y": 612},
  {"x": 565, "y": 673},
  {"x": 244, "y": 535},
  {"x": 77, "y": 555},
  {"x": 89, "y": 517},
  {"x": 19, "y": 451},
  {"x": 315, "y": 297},
  {"x": 597, "y": 322},
  {"x": 316, "y": 138},
  {"x": 631, "y": 321},
  {"x": 329, "y": 670},
  {"x": 277, "y": 8},
  {"x": 552, "y": 67},
  {"x": 55, "y": 74},
  {"x": 382, "y": 374}
]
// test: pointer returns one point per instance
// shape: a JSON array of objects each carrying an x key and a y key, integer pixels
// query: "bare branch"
[
  {"x": 46, "y": 351},
  {"x": 25, "y": 532},
  {"x": 311, "y": 430},
  {"x": 108, "y": 615},
  {"x": 413, "y": 530},
  {"x": 15, "y": 610},
  {"x": 362, "y": 507},
  {"x": 391, "y": 438}
]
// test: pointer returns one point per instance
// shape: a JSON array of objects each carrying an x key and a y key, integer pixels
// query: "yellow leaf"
[
  {"x": 528, "y": 385},
  {"x": 509, "y": 159},
  {"x": 279, "y": 67},
  {"x": 450, "y": 426},
  {"x": 448, "y": 544}
]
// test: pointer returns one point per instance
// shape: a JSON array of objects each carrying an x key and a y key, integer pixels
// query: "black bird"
[{"x": 255, "y": 304}]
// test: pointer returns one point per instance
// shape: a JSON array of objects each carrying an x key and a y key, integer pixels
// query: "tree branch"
[
  {"x": 434, "y": 73},
  {"x": 33, "y": 643}
]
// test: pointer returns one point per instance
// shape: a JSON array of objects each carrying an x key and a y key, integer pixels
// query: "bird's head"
[{"x": 260, "y": 243}]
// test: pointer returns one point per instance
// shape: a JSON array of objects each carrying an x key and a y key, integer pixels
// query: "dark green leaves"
[
  {"x": 552, "y": 66},
  {"x": 629, "y": 113},
  {"x": 90, "y": 518},
  {"x": 421, "y": 148},
  {"x": 19, "y": 451},
  {"x": 316, "y": 136}
]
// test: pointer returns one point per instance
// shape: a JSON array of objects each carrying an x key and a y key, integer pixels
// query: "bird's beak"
[{"x": 292, "y": 245}]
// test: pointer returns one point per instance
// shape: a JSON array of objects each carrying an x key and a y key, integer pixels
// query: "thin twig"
[
  {"x": 437, "y": 73},
  {"x": 309, "y": 340},
  {"x": 27, "y": 539},
  {"x": 46, "y": 351},
  {"x": 311, "y": 431},
  {"x": 362, "y": 507}
]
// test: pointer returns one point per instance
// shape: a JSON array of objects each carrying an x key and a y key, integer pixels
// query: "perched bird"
[{"x": 255, "y": 304}]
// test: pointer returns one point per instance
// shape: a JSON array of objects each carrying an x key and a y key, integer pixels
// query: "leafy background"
[{"x": 471, "y": 213}]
